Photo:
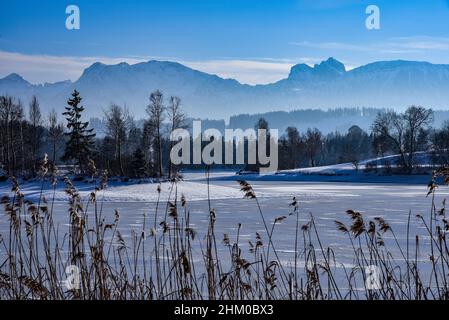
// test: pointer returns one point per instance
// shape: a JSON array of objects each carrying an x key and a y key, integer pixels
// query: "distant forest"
[
  {"x": 327, "y": 121},
  {"x": 131, "y": 148}
]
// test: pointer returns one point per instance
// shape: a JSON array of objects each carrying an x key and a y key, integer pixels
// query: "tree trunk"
[
  {"x": 159, "y": 144},
  {"x": 119, "y": 147},
  {"x": 22, "y": 147},
  {"x": 54, "y": 152}
]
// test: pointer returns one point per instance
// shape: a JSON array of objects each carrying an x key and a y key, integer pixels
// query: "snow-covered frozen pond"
[{"x": 326, "y": 201}]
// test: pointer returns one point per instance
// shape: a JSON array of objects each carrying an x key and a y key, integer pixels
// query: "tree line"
[
  {"x": 392, "y": 133},
  {"x": 126, "y": 149},
  {"x": 131, "y": 148}
]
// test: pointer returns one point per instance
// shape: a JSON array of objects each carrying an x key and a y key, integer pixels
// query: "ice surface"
[{"x": 327, "y": 201}]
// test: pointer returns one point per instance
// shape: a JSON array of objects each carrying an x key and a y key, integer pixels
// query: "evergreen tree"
[
  {"x": 80, "y": 141},
  {"x": 138, "y": 164}
]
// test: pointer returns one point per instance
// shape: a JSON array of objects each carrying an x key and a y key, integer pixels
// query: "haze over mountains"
[{"x": 388, "y": 84}]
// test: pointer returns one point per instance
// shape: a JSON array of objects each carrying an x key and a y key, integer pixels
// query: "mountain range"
[{"x": 385, "y": 84}]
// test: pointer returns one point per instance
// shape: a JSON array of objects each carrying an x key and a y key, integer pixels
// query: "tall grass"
[{"x": 166, "y": 259}]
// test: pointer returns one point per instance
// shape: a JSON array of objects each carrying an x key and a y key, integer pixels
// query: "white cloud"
[
  {"x": 245, "y": 71},
  {"x": 398, "y": 45},
  {"x": 331, "y": 46},
  {"x": 47, "y": 68},
  {"x": 422, "y": 43}
]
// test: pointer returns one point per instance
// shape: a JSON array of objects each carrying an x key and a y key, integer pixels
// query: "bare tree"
[
  {"x": 11, "y": 113},
  {"x": 55, "y": 133},
  {"x": 294, "y": 146},
  {"x": 148, "y": 146},
  {"x": 353, "y": 146},
  {"x": 389, "y": 126},
  {"x": 177, "y": 120},
  {"x": 22, "y": 123},
  {"x": 116, "y": 124},
  {"x": 417, "y": 119},
  {"x": 261, "y": 124},
  {"x": 156, "y": 110},
  {"x": 440, "y": 144},
  {"x": 313, "y": 144},
  {"x": 35, "y": 117},
  {"x": 403, "y": 131}
]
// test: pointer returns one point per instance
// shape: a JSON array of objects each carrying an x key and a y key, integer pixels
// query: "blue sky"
[{"x": 254, "y": 41}]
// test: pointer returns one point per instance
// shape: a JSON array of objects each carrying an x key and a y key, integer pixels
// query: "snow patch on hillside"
[{"x": 368, "y": 171}]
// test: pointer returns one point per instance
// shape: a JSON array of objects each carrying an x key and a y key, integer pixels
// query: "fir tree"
[
  {"x": 138, "y": 164},
  {"x": 80, "y": 141}
]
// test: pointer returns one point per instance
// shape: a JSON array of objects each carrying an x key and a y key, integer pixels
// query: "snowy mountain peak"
[
  {"x": 95, "y": 68},
  {"x": 328, "y": 68},
  {"x": 163, "y": 65},
  {"x": 299, "y": 70},
  {"x": 100, "y": 71},
  {"x": 14, "y": 78}
]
